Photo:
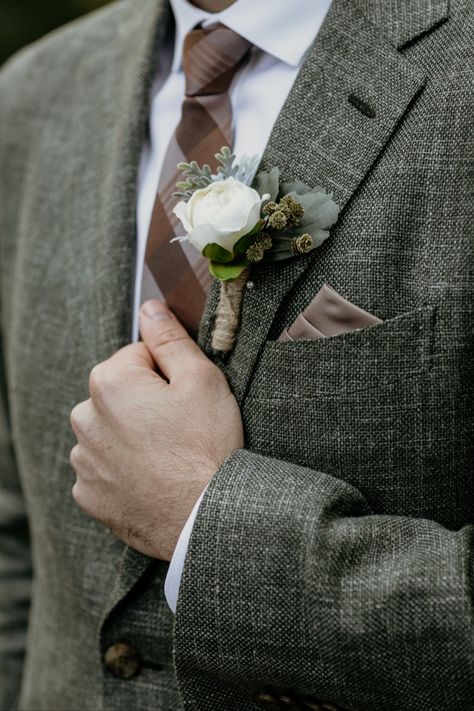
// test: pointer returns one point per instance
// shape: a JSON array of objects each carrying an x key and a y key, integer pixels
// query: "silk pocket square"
[{"x": 329, "y": 314}]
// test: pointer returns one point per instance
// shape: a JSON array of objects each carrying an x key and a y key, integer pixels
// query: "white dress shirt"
[{"x": 281, "y": 34}]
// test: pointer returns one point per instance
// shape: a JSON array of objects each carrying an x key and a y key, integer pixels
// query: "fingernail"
[{"x": 155, "y": 310}]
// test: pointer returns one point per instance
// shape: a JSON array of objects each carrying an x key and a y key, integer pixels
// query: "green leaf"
[
  {"x": 297, "y": 186},
  {"x": 228, "y": 272},
  {"x": 195, "y": 176},
  {"x": 242, "y": 245},
  {"x": 255, "y": 230},
  {"x": 267, "y": 183},
  {"x": 320, "y": 213},
  {"x": 246, "y": 168},
  {"x": 226, "y": 160},
  {"x": 218, "y": 254},
  {"x": 319, "y": 207}
]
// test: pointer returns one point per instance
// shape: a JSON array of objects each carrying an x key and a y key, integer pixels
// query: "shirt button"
[{"x": 122, "y": 660}]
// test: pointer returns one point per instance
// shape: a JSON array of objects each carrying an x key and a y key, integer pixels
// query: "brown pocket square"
[{"x": 329, "y": 314}]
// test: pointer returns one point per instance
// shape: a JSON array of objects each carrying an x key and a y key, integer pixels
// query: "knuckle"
[
  {"x": 199, "y": 378},
  {"x": 99, "y": 381},
  {"x": 76, "y": 420},
  {"x": 203, "y": 373},
  {"x": 75, "y": 457},
  {"x": 140, "y": 349},
  {"x": 78, "y": 495},
  {"x": 170, "y": 336},
  {"x": 126, "y": 353}
]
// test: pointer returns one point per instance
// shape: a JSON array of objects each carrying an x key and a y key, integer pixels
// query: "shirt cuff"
[{"x": 175, "y": 570}]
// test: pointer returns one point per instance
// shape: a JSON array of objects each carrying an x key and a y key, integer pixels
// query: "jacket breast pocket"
[
  {"x": 358, "y": 406},
  {"x": 350, "y": 362}
]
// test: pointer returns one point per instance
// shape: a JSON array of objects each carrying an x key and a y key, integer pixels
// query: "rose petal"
[
  {"x": 251, "y": 218},
  {"x": 203, "y": 235},
  {"x": 221, "y": 213},
  {"x": 181, "y": 212}
]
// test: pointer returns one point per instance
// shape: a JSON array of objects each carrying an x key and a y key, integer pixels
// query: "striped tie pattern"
[{"x": 177, "y": 272}]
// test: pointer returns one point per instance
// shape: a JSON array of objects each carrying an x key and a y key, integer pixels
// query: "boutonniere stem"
[
  {"x": 228, "y": 313},
  {"x": 236, "y": 220}
]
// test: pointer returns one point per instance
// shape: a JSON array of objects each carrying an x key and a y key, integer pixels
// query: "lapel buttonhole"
[{"x": 361, "y": 105}]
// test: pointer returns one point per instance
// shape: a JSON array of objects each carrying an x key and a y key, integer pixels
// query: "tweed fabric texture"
[
  {"x": 334, "y": 555},
  {"x": 71, "y": 271},
  {"x": 355, "y": 585}
]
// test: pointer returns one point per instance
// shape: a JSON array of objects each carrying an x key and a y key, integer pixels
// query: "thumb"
[{"x": 169, "y": 343}]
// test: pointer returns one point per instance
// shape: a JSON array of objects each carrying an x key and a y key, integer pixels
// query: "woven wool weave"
[{"x": 333, "y": 556}]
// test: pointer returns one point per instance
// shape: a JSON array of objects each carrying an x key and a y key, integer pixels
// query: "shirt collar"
[{"x": 286, "y": 30}]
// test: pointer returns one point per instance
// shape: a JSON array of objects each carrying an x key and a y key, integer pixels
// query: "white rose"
[{"x": 222, "y": 213}]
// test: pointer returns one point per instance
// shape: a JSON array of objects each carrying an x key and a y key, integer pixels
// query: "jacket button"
[
  {"x": 265, "y": 700},
  {"x": 288, "y": 703},
  {"x": 122, "y": 660},
  {"x": 272, "y": 700}
]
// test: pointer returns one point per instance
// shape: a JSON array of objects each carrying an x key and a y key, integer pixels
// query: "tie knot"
[{"x": 211, "y": 56}]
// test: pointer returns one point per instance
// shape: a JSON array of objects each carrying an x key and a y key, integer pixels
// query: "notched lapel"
[
  {"x": 324, "y": 138},
  {"x": 402, "y": 21}
]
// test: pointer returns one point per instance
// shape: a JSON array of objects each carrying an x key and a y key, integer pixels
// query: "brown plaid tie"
[{"x": 176, "y": 271}]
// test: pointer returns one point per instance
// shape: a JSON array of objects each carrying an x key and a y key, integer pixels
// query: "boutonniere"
[{"x": 236, "y": 221}]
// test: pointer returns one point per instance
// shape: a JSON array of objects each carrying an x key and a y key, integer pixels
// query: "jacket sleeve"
[
  {"x": 15, "y": 563},
  {"x": 292, "y": 583}
]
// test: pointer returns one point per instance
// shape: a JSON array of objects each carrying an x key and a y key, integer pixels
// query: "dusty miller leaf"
[
  {"x": 267, "y": 183},
  {"x": 226, "y": 159},
  {"x": 320, "y": 213},
  {"x": 195, "y": 177},
  {"x": 246, "y": 169}
]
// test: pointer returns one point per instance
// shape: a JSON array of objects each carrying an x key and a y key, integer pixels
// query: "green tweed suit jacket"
[{"x": 332, "y": 558}]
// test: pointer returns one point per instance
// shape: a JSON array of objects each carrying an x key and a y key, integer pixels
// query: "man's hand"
[{"x": 148, "y": 441}]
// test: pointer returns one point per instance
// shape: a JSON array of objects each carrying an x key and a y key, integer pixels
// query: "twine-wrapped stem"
[{"x": 228, "y": 313}]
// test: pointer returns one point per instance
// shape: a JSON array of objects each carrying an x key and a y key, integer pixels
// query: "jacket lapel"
[
  {"x": 403, "y": 21},
  {"x": 350, "y": 94}
]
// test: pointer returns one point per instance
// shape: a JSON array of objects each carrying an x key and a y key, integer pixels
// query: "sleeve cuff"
[{"x": 175, "y": 570}]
